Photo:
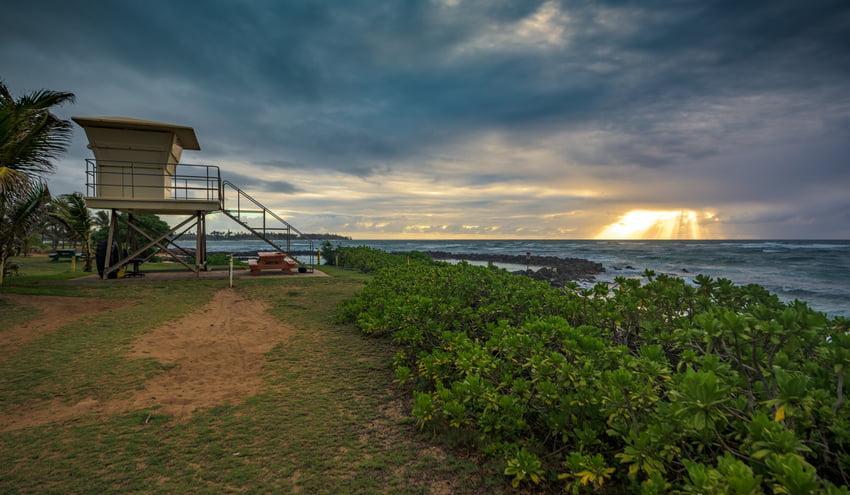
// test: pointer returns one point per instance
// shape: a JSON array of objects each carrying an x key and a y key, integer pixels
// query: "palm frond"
[
  {"x": 71, "y": 210},
  {"x": 11, "y": 182},
  {"x": 31, "y": 137},
  {"x": 5, "y": 94},
  {"x": 101, "y": 219},
  {"x": 38, "y": 142},
  {"x": 20, "y": 216},
  {"x": 44, "y": 99}
]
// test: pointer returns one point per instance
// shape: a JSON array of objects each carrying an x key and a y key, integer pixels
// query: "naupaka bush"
[{"x": 651, "y": 386}]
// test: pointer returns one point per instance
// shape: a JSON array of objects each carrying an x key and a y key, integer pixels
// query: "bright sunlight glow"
[{"x": 654, "y": 224}]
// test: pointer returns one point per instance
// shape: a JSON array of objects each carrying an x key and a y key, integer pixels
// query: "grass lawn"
[
  {"x": 328, "y": 419},
  {"x": 11, "y": 314},
  {"x": 38, "y": 275},
  {"x": 39, "y": 268}
]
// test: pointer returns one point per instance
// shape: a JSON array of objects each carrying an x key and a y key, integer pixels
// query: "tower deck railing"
[
  {"x": 124, "y": 180},
  {"x": 141, "y": 180}
]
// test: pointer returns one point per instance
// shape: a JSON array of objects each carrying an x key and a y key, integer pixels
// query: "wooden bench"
[{"x": 272, "y": 261}]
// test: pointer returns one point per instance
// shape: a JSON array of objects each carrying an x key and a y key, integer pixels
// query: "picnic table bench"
[
  {"x": 135, "y": 272},
  {"x": 272, "y": 261},
  {"x": 63, "y": 254}
]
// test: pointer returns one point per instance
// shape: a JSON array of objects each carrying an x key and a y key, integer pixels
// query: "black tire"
[{"x": 100, "y": 258}]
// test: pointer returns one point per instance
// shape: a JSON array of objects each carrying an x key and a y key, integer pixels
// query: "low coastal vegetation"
[{"x": 645, "y": 386}]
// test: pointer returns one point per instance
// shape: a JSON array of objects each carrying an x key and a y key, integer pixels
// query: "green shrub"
[
  {"x": 222, "y": 259},
  {"x": 644, "y": 386},
  {"x": 368, "y": 260},
  {"x": 328, "y": 252}
]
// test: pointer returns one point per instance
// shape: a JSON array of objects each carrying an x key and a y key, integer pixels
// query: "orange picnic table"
[{"x": 272, "y": 260}]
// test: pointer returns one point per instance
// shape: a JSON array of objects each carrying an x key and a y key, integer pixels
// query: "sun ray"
[{"x": 654, "y": 224}]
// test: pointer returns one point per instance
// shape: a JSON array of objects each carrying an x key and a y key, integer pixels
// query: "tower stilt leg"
[{"x": 113, "y": 220}]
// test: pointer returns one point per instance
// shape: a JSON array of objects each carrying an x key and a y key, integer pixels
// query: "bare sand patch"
[
  {"x": 217, "y": 353},
  {"x": 54, "y": 313},
  {"x": 187, "y": 275}
]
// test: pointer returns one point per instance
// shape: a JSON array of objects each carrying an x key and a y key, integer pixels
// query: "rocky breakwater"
[
  {"x": 253, "y": 254},
  {"x": 553, "y": 269}
]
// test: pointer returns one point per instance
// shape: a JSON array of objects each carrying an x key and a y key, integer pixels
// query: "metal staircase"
[{"x": 260, "y": 221}]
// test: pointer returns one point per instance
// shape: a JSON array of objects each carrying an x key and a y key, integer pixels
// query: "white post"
[{"x": 231, "y": 270}]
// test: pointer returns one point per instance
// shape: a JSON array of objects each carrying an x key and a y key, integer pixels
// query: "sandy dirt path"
[
  {"x": 218, "y": 353},
  {"x": 54, "y": 313}
]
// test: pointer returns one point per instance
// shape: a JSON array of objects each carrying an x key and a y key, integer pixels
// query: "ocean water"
[{"x": 817, "y": 272}]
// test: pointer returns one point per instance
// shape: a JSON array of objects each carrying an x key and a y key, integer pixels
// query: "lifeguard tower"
[{"x": 136, "y": 168}]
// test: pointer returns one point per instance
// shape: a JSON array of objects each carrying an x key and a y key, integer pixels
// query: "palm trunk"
[
  {"x": 2, "y": 246},
  {"x": 87, "y": 254}
]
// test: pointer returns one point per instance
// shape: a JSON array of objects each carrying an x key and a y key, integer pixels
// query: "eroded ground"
[
  {"x": 196, "y": 388},
  {"x": 49, "y": 314},
  {"x": 215, "y": 356}
]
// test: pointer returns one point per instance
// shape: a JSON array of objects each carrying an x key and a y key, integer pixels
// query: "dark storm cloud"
[
  {"x": 366, "y": 88},
  {"x": 262, "y": 183},
  {"x": 366, "y": 84}
]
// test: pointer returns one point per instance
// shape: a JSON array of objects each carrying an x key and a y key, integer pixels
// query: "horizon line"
[{"x": 812, "y": 239}]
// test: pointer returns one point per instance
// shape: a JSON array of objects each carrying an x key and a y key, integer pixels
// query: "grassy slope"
[{"x": 329, "y": 419}]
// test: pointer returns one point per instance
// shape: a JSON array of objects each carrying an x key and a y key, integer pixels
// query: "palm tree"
[
  {"x": 71, "y": 211},
  {"x": 30, "y": 137},
  {"x": 101, "y": 219},
  {"x": 53, "y": 231},
  {"x": 20, "y": 214}
]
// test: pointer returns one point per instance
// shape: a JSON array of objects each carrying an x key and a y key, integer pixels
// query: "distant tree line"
[{"x": 217, "y": 235}]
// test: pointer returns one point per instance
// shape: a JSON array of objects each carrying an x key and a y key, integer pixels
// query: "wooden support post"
[
  {"x": 198, "y": 255},
  {"x": 200, "y": 244},
  {"x": 113, "y": 219},
  {"x": 203, "y": 222},
  {"x": 204, "y": 238},
  {"x": 171, "y": 242},
  {"x": 164, "y": 247},
  {"x": 132, "y": 240},
  {"x": 204, "y": 244},
  {"x": 154, "y": 242}
]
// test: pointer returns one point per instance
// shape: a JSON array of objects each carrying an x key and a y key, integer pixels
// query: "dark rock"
[
  {"x": 253, "y": 254},
  {"x": 557, "y": 271}
]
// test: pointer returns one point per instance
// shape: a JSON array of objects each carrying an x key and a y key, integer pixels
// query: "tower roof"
[{"x": 185, "y": 134}]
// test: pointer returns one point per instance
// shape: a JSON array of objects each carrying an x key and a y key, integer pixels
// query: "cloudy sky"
[{"x": 457, "y": 118}]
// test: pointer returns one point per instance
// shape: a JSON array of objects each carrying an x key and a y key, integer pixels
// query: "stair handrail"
[
  {"x": 222, "y": 198},
  {"x": 239, "y": 191}
]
